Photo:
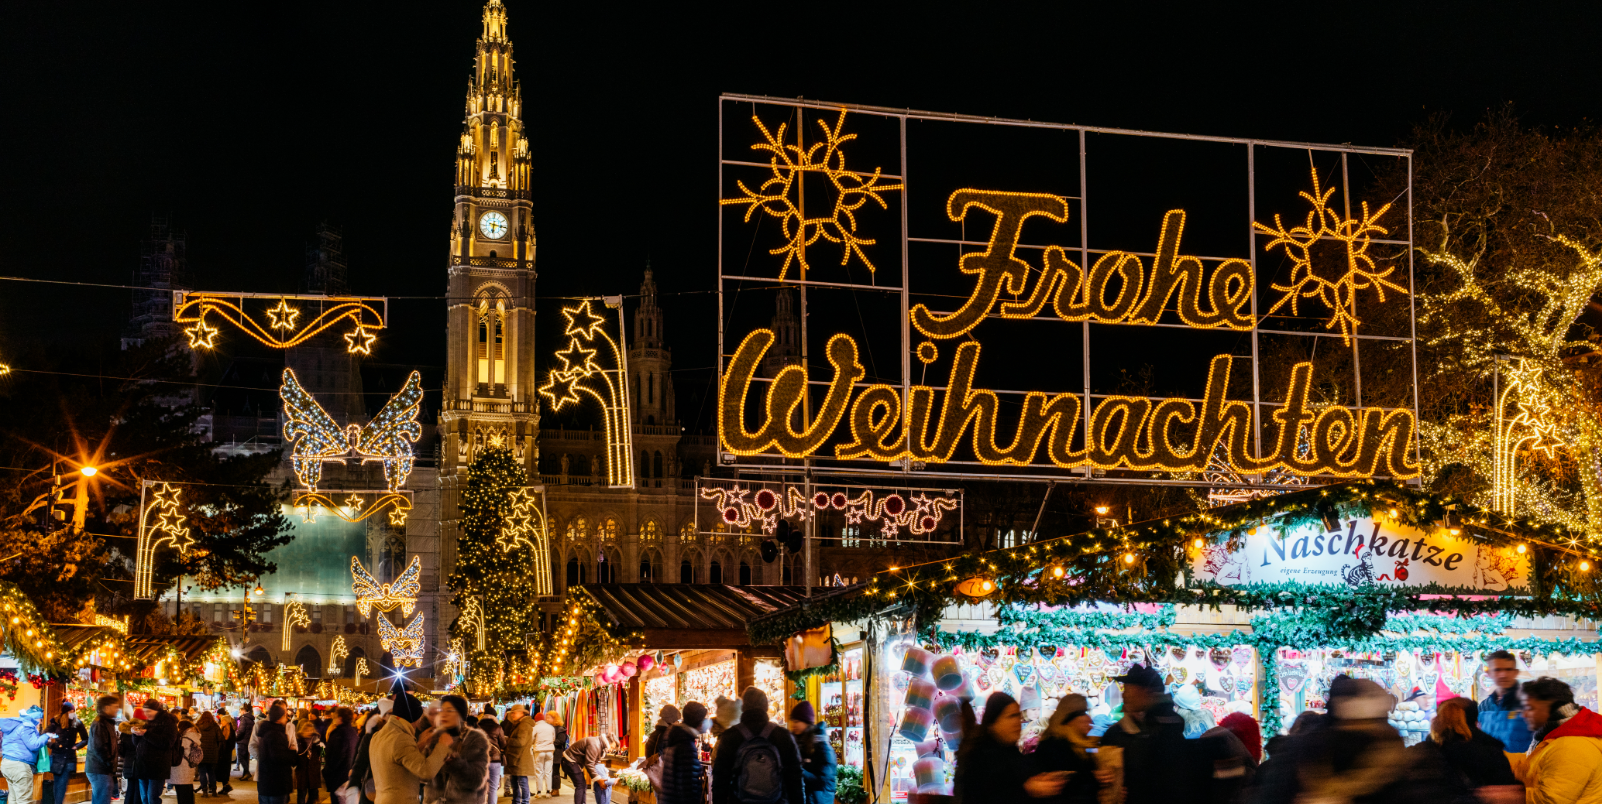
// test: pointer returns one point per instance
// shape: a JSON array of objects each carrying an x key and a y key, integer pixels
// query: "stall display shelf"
[{"x": 841, "y": 699}]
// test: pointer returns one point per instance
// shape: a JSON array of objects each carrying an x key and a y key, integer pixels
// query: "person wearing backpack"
[
  {"x": 153, "y": 753},
  {"x": 588, "y": 754},
  {"x": 757, "y": 760},
  {"x": 189, "y": 755}
]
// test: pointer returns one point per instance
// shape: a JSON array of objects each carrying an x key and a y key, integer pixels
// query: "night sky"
[{"x": 250, "y": 123}]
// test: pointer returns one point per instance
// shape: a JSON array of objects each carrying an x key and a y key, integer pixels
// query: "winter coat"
[
  {"x": 1055, "y": 753},
  {"x": 183, "y": 772},
  {"x": 464, "y": 778},
  {"x": 729, "y": 746},
  {"x": 309, "y": 764},
  {"x": 545, "y": 737},
  {"x": 275, "y": 762},
  {"x": 517, "y": 759},
  {"x": 69, "y": 738},
  {"x": 989, "y": 770},
  {"x": 398, "y": 766},
  {"x": 683, "y": 773},
  {"x": 342, "y": 743},
  {"x": 559, "y": 741},
  {"x": 22, "y": 739},
  {"x": 654, "y": 741},
  {"x": 588, "y": 753},
  {"x": 1563, "y": 767},
  {"x": 103, "y": 744},
  {"x": 242, "y": 734},
  {"x": 497, "y": 738},
  {"x": 127, "y": 747},
  {"x": 362, "y": 763},
  {"x": 153, "y": 757},
  {"x": 210, "y": 738},
  {"x": 818, "y": 765},
  {"x": 1501, "y": 719},
  {"x": 1364, "y": 762},
  {"x": 1157, "y": 765},
  {"x": 1468, "y": 764}
]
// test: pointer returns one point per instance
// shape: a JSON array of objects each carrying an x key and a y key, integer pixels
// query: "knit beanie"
[
  {"x": 458, "y": 703},
  {"x": 803, "y": 712},
  {"x": 668, "y": 715},
  {"x": 695, "y": 715},
  {"x": 754, "y": 700}
]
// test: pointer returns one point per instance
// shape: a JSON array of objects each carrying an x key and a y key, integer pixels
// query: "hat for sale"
[{"x": 1142, "y": 676}]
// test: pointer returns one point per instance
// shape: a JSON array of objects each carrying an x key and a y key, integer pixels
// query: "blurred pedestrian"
[
  {"x": 225, "y": 752},
  {"x": 1563, "y": 764},
  {"x": 359, "y": 791},
  {"x": 210, "y": 736},
  {"x": 519, "y": 760},
  {"x": 463, "y": 777},
  {"x": 990, "y": 767},
  {"x": 498, "y": 744},
  {"x": 684, "y": 777},
  {"x": 100, "y": 761},
  {"x": 1067, "y": 745},
  {"x": 1499, "y": 713},
  {"x": 588, "y": 756},
  {"x": 70, "y": 736},
  {"x": 772, "y": 766},
  {"x": 818, "y": 758},
  {"x": 559, "y": 745},
  {"x": 542, "y": 751},
  {"x": 242, "y": 740},
  {"x": 1472, "y": 758},
  {"x": 275, "y": 758},
  {"x": 190, "y": 756},
  {"x": 339, "y": 753},
  {"x": 666, "y": 718},
  {"x": 308, "y": 763},
  {"x": 398, "y": 767},
  {"x": 154, "y": 753},
  {"x": 1151, "y": 741}
]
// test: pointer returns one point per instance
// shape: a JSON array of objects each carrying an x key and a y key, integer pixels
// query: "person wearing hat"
[
  {"x": 100, "y": 761},
  {"x": 544, "y": 749},
  {"x": 518, "y": 763},
  {"x": 666, "y": 718},
  {"x": 153, "y": 753},
  {"x": 19, "y": 750},
  {"x": 464, "y": 777},
  {"x": 754, "y": 725},
  {"x": 398, "y": 767},
  {"x": 70, "y": 736},
  {"x": 1067, "y": 745},
  {"x": 683, "y": 775},
  {"x": 1151, "y": 738},
  {"x": 818, "y": 758}
]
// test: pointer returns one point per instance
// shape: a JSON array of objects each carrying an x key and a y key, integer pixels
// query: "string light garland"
[
  {"x": 919, "y": 512},
  {"x": 316, "y": 439},
  {"x": 585, "y": 639},
  {"x": 402, "y": 592},
  {"x": 355, "y": 508},
  {"x": 161, "y": 523},
  {"x": 1564, "y": 577},
  {"x": 491, "y": 578},
  {"x": 608, "y": 386},
  {"x": 780, "y": 195},
  {"x": 281, "y": 331},
  {"x": 405, "y": 645},
  {"x": 1125, "y": 431}
]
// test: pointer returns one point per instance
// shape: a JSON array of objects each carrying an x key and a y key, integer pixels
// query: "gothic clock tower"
[{"x": 490, "y": 383}]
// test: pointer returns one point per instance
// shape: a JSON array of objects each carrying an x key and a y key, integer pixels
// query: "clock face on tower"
[{"x": 493, "y": 225}]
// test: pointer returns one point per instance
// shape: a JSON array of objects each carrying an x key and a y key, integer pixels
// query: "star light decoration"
[
  {"x": 580, "y": 373},
  {"x": 1337, "y": 287},
  {"x": 161, "y": 523},
  {"x": 472, "y": 616},
  {"x": 780, "y": 195},
  {"x": 1531, "y": 427},
  {"x": 337, "y": 652},
  {"x": 360, "y": 670},
  {"x": 283, "y": 329},
  {"x": 294, "y": 617},
  {"x": 525, "y": 526}
]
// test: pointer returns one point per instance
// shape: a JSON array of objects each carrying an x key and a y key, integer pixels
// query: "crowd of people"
[{"x": 1525, "y": 743}]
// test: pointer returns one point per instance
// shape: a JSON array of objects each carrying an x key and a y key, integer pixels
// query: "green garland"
[
  {"x": 1013, "y": 614},
  {"x": 1137, "y": 564}
]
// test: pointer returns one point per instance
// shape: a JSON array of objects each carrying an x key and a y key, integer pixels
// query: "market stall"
[
  {"x": 1255, "y": 608},
  {"x": 641, "y": 646}
]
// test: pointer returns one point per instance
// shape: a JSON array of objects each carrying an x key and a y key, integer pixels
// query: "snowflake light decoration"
[
  {"x": 780, "y": 196},
  {"x": 1340, "y": 295}
]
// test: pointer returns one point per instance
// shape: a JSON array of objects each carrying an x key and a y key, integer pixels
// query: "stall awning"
[{"x": 690, "y": 615}]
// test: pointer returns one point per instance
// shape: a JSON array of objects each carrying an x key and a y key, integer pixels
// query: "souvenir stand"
[
  {"x": 646, "y": 645},
  {"x": 1256, "y": 606}
]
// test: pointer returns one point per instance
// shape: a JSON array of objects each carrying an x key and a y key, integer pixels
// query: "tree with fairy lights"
[{"x": 490, "y": 568}]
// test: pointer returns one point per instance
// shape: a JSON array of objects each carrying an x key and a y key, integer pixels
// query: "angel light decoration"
[{"x": 318, "y": 439}]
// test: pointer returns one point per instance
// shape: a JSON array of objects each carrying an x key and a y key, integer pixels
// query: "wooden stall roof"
[
  {"x": 143, "y": 648},
  {"x": 674, "y": 615}
]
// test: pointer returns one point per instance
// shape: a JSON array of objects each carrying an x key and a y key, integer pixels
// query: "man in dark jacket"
[
  {"x": 100, "y": 762},
  {"x": 755, "y": 725},
  {"x": 818, "y": 758},
  {"x": 342, "y": 741},
  {"x": 242, "y": 741},
  {"x": 1152, "y": 737},
  {"x": 70, "y": 736},
  {"x": 153, "y": 756},
  {"x": 1499, "y": 713},
  {"x": 275, "y": 760},
  {"x": 681, "y": 756}
]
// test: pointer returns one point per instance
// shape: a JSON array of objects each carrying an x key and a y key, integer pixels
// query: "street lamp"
[
  {"x": 1103, "y": 520},
  {"x": 89, "y": 471}
]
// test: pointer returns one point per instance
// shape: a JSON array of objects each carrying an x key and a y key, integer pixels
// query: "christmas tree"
[{"x": 492, "y": 569}]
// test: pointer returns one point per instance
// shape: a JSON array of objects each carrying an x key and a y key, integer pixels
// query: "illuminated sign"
[
  {"x": 1364, "y": 553},
  {"x": 1031, "y": 281}
]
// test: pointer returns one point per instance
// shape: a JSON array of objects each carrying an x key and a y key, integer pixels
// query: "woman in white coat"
[{"x": 182, "y": 776}]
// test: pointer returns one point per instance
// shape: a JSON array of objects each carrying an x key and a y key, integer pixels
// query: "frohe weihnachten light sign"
[{"x": 1333, "y": 276}]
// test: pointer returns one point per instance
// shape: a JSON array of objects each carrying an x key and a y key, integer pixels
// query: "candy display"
[
  {"x": 948, "y": 713},
  {"x": 921, "y": 694},
  {"x": 915, "y": 724},
  {"x": 917, "y": 661},
  {"x": 948, "y": 675},
  {"x": 929, "y": 772},
  {"x": 841, "y": 696}
]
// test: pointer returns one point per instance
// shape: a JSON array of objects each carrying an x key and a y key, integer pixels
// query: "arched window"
[
  {"x": 687, "y": 532},
  {"x": 608, "y": 530},
  {"x": 645, "y": 467},
  {"x": 686, "y": 573},
  {"x": 715, "y": 573},
  {"x": 657, "y": 468},
  {"x": 577, "y": 530},
  {"x": 576, "y": 572},
  {"x": 605, "y": 570},
  {"x": 745, "y": 578},
  {"x": 651, "y": 567},
  {"x": 651, "y": 389},
  {"x": 309, "y": 660},
  {"x": 785, "y": 572},
  {"x": 260, "y": 655},
  {"x": 650, "y": 533},
  {"x": 491, "y": 350}
]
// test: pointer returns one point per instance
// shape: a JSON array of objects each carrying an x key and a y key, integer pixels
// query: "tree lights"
[
  {"x": 607, "y": 385},
  {"x": 493, "y": 568},
  {"x": 281, "y": 332}
]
